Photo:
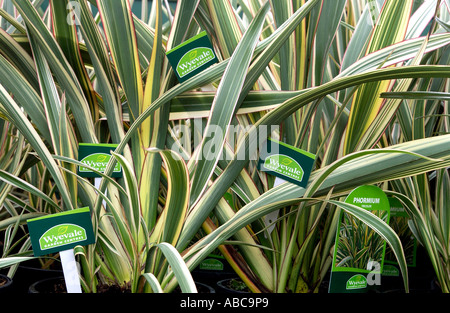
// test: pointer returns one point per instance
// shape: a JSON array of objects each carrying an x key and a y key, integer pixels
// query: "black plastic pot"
[
  {"x": 204, "y": 288},
  {"x": 227, "y": 286},
  {"x": 422, "y": 278},
  {"x": 48, "y": 285},
  {"x": 6, "y": 284},
  {"x": 29, "y": 273},
  {"x": 213, "y": 269},
  {"x": 57, "y": 285},
  {"x": 201, "y": 288}
]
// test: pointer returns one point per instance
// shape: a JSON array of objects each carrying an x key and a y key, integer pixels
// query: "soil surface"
[{"x": 114, "y": 289}]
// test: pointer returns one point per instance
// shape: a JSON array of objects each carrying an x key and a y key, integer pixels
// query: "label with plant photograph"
[
  {"x": 359, "y": 251},
  {"x": 399, "y": 222}
]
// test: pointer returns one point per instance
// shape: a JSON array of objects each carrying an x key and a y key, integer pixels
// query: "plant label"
[
  {"x": 286, "y": 162},
  {"x": 399, "y": 222},
  {"x": 96, "y": 157},
  {"x": 61, "y": 231},
  {"x": 212, "y": 263},
  {"x": 271, "y": 218},
  {"x": 192, "y": 56},
  {"x": 359, "y": 251}
]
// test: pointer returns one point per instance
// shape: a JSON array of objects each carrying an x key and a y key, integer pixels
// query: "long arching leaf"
[{"x": 224, "y": 105}]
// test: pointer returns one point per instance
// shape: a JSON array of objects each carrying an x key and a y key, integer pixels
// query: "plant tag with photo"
[
  {"x": 61, "y": 232},
  {"x": 286, "y": 162},
  {"x": 399, "y": 223},
  {"x": 192, "y": 56},
  {"x": 97, "y": 157},
  {"x": 359, "y": 251}
]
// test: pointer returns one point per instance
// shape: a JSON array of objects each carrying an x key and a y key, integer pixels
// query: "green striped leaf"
[
  {"x": 67, "y": 38},
  {"x": 28, "y": 131},
  {"x": 225, "y": 25},
  {"x": 7, "y": 262},
  {"x": 25, "y": 95},
  {"x": 62, "y": 141},
  {"x": 173, "y": 216},
  {"x": 282, "y": 10},
  {"x": 224, "y": 104},
  {"x": 396, "y": 53},
  {"x": 24, "y": 185},
  {"x": 181, "y": 22},
  {"x": 119, "y": 30},
  {"x": 390, "y": 28},
  {"x": 153, "y": 82},
  {"x": 60, "y": 67},
  {"x": 179, "y": 267},
  {"x": 153, "y": 130},
  {"x": 18, "y": 56},
  {"x": 131, "y": 185},
  {"x": 153, "y": 282},
  {"x": 107, "y": 86}
]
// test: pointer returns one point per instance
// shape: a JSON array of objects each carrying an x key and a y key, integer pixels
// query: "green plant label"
[
  {"x": 286, "y": 162},
  {"x": 193, "y": 60},
  {"x": 359, "y": 251},
  {"x": 192, "y": 56},
  {"x": 96, "y": 157},
  {"x": 357, "y": 281},
  {"x": 391, "y": 270},
  {"x": 284, "y": 165},
  {"x": 61, "y": 231},
  {"x": 397, "y": 209},
  {"x": 211, "y": 265},
  {"x": 399, "y": 222}
]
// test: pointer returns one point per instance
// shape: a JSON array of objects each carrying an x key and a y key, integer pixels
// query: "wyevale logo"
[
  {"x": 61, "y": 235},
  {"x": 284, "y": 165},
  {"x": 61, "y": 231},
  {"x": 193, "y": 60},
  {"x": 211, "y": 264},
  {"x": 98, "y": 161},
  {"x": 356, "y": 282}
]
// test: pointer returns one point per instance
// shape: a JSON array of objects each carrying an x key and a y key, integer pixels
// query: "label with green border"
[
  {"x": 96, "y": 156},
  {"x": 399, "y": 223},
  {"x": 211, "y": 264},
  {"x": 286, "y": 162},
  {"x": 359, "y": 251},
  {"x": 192, "y": 56},
  {"x": 61, "y": 231}
]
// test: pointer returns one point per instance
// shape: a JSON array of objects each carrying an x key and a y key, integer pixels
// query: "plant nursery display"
[{"x": 195, "y": 132}]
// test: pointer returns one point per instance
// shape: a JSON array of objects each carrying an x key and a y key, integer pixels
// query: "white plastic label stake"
[
  {"x": 97, "y": 181},
  {"x": 70, "y": 270},
  {"x": 270, "y": 218}
]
